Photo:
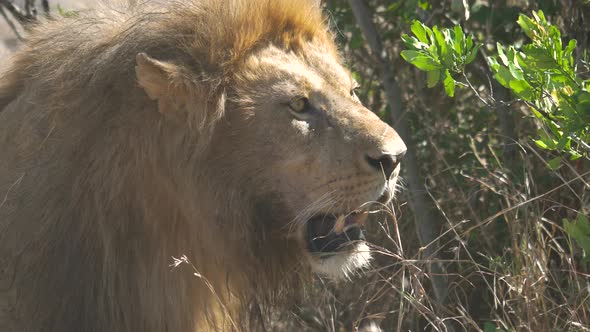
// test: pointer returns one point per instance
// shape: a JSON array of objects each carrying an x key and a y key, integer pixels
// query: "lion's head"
[
  {"x": 228, "y": 131},
  {"x": 293, "y": 133}
]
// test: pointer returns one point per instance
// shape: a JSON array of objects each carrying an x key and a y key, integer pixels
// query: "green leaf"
[
  {"x": 494, "y": 65},
  {"x": 555, "y": 163},
  {"x": 575, "y": 155},
  {"x": 413, "y": 43},
  {"x": 541, "y": 144},
  {"x": 540, "y": 16},
  {"x": 419, "y": 31},
  {"x": 522, "y": 88},
  {"x": 568, "y": 52},
  {"x": 503, "y": 76},
  {"x": 563, "y": 142},
  {"x": 432, "y": 77},
  {"x": 545, "y": 142},
  {"x": 469, "y": 42},
  {"x": 582, "y": 102},
  {"x": 459, "y": 39},
  {"x": 472, "y": 54},
  {"x": 515, "y": 71},
  {"x": 491, "y": 327},
  {"x": 540, "y": 57},
  {"x": 526, "y": 24},
  {"x": 444, "y": 52},
  {"x": 579, "y": 230},
  {"x": 449, "y": 84},
  {"x": 501, "y": 54},
  {"x": 424, "y": 5},
  {"x": 420, "y": 60}
]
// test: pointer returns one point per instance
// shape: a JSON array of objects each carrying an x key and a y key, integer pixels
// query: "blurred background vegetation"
[{"x": 489, "y": 231}]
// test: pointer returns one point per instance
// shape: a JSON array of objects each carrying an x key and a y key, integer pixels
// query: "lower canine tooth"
[{"x": 339, "y": 225}]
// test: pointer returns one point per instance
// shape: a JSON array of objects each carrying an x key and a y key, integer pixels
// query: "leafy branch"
[
  {"x": 542, "y": 74},
  {"x": 440, "y": 53}
]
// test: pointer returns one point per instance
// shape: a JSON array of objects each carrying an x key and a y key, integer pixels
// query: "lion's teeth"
[
  {"x": 344, "y": 222},
  {"x": 339, "y": 225}
]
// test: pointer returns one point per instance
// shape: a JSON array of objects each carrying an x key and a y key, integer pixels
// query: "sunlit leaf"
[
  {"x": 432, "y": 77},
  {"x": 522, "y": 88},
  {"x": 420, "y": 60},
  {"x": 555, "y": 163},
  {"x": 459, "y": 39},
  {"x": 449, "y": 84},
  {"x": 472, "y": 54},
  {"x": 419, "y": 31},
  {"x": 501, "y": 54}
]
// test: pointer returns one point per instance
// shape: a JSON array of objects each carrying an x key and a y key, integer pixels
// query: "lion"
[{"x": 223, "y": 134}]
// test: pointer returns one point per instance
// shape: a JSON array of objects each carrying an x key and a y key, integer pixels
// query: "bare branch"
[
  {"x": 11, "y": 24},
  {"x": 30, "y": 10},
  {"x": 427, "y": 221},
  {"x": 18, "y": 13},
  {"x": 45, "y": 5}
]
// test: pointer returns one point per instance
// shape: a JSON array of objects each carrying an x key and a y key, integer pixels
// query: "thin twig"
[
  {"x": 30, "y": 10},
  {"x": 45, "y": 5},
  {"x": 11, "y": 24},
  {"x": 16, "y": 11}
]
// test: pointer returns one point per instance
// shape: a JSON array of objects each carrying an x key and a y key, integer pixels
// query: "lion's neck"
[
  {"x": 126, "y": 218},
  {"x": 144, "y": 218}
]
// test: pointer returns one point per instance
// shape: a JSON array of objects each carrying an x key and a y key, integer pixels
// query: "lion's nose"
[{"x": 386, "y": 162}]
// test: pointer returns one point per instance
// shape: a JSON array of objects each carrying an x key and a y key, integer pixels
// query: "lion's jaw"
[
  {"x": 335, "y": 240},
  {"x": 327, "y": 162}
]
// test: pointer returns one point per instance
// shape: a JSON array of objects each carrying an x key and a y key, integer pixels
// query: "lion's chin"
[
  {"x": 336, "y": 242},
  {"x": 340, "y": 265}
]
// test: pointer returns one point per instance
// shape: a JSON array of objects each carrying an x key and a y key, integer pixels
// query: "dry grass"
[{"x": 513, "y": 269}]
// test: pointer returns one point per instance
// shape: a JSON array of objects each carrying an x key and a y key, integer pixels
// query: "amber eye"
[{"x": 299, "y": 105}]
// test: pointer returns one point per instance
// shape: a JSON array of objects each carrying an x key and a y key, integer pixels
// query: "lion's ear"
[
  {"x": 164, "y": 82},
  {"x": 180, "y": 96},
  {"x": 154, "y": 76}
]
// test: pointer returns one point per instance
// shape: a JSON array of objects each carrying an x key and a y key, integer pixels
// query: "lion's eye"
[{"x": 299, "y": 105}]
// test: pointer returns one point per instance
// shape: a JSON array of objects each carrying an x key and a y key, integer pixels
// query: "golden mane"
[
  {"x": 239, "y": 26},
  {"x": 101, "y": 190},
  {"x": 211, "y": 36},
  {"x": 71, "y": 84}
]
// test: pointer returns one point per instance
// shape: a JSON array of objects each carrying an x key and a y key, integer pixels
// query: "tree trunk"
[{"x": 427, "y": 217}]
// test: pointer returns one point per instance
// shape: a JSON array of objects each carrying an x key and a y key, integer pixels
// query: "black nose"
[{"x": 386, "y": 163}]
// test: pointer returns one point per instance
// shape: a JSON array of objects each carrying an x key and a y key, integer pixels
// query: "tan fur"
[{"x": 129, "y": 135}]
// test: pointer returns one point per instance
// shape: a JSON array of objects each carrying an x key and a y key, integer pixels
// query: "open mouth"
[{"x": 329, "y": 233}]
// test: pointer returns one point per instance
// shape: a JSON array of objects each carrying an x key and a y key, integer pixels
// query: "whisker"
[{"x": 311, "y": 209}]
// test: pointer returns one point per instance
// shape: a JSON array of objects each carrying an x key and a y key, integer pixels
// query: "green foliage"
[
  {"x": 440, "y": 53},
  {"x": 491, "y": 327},
  {"x": 510, "y": 267},
  {"x": 543, "y": 74},
  {"x": 579, "y": 230},
  {"x": 406, "y": 10},
  {"x": 66, "y": 12}
]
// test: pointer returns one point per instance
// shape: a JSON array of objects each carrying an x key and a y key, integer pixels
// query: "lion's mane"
[{"x": 88, "y": 221}]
